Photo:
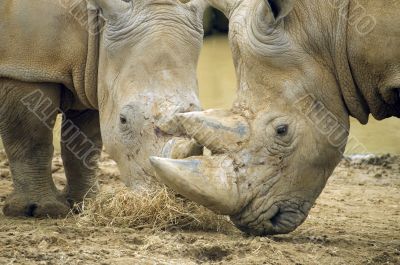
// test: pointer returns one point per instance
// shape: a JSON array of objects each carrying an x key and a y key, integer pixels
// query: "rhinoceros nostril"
[{"x": 275, "y": 219}]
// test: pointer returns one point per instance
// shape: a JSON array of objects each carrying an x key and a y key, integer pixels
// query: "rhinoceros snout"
[{"x": 281, "y": 218}]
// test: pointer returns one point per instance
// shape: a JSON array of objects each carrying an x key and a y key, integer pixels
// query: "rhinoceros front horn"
[
  {"x": 221, "y": 131},
  {"x": 209, "y": 181}
]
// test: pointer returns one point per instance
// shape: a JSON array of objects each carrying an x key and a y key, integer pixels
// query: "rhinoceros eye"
[{"x": 282, "y": 130}]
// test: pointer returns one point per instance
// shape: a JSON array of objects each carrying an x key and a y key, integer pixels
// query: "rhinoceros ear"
[
  {"x": 279, "y": 8},
  {"x": 111, "y": 8},
  {"x": 200, "y": 4},
  {"x": 225, "y": 6}
]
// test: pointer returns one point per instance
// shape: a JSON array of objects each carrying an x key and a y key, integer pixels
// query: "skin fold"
[
  {"x": 117, "y": 70},
  {"x": 303, "y": 68}
]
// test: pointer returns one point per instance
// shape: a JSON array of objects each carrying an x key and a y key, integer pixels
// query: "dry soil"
[{"x": 356, "y": 220}]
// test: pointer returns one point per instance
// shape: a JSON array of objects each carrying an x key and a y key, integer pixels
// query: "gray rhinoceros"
[
  {"x": 303, "y": 68},
  {"x": 118, "y": 70}
]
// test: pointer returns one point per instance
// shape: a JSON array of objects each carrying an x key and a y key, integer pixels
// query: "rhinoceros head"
[
  {"x": 147, "y": 73},
  {"x": 272, "y": 153}
]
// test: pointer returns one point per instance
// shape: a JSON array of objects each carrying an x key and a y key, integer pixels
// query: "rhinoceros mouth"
[{"x": 280, "y": 218}]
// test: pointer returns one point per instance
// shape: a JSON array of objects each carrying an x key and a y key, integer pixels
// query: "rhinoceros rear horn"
[{"x": 220, "y": 131}]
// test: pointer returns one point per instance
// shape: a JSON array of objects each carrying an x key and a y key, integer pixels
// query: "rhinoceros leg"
[
  {"x": 27, "y": 116},
  {"x": 80, "y": 149}
]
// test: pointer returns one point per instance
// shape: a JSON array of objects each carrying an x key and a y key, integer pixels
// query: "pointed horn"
[
  {"x": 208, "y": 181},
  {"x": 178, "y": 148},
  {"x": 219, "y": 130}
]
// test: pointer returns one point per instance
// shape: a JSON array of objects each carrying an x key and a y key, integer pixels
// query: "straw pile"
[{"x": 159, "y": 209}]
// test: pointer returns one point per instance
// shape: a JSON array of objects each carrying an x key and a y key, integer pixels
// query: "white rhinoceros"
[
  {"x": 303, "y": 68},
  {"x": 118, "y": 70}
]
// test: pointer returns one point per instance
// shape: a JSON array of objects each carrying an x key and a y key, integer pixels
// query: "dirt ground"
[{"x": 355, "y": 221}]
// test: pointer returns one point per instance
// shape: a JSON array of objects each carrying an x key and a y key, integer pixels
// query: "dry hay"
[{"x": 159, "y": 209}]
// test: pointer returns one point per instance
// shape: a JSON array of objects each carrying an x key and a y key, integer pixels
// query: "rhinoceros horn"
[
  {"x": 210, "y": 181},
  {"x": 220, "y": 131}
]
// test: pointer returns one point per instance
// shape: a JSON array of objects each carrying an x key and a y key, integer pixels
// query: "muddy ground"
[{"x": 355, "y": 221}]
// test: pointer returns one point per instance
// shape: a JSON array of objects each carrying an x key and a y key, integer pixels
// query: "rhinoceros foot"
[{"x": 20, "y": 205}]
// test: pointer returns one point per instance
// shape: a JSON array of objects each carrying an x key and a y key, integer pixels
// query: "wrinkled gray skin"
[
  {"x": 303, "y": 68},
  {"x": 127, "y": 88}
]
